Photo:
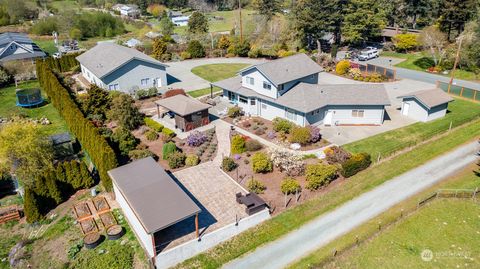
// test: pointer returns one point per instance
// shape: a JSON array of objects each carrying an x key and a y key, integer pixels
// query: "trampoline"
[{"x": 29, "y": 97}]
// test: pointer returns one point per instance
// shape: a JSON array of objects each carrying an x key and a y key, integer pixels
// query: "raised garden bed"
[
  {"x": 82, "y": 210},
  {"x": 88, "y": 226},
  {"x": 9, "y": 213},
  {"x": 92, "y": 240},
  {"x": 115, "y": 232},
  {"x": 101, "y": 204},
  {"x": 107, "y": 219}
]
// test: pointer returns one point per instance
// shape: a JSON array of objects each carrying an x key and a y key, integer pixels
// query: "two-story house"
[
  {"x": 289, "y": 88},
  {"x": 115, "y": 67},
  {"x": 18, "y": 46}
]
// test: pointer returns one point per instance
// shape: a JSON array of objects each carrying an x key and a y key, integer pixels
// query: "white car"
[
  {"x": 56, "y": 55},
  {"x": 368, "y": 54}
]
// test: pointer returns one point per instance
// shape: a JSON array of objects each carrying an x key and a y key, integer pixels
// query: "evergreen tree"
[
  {"x": 159, "y": 48},
  {"x": 166, "y": 26},
  {"x": 267, "y": 8},
  {"x": 364, "y": 19},
  {"x": 60, "y": 173},
  {"x": 31, "y": 207},
  {"x": 52, "y": 186},
  {"x": 87, "y": 180},
  {"x": 125, "y": 112},
  {"x": 69, "y": 175},
  {"x": 454, "y": 14},
  {"x": 76, "y": 181},
  {"x": 198, "y": 23},
  {"x": 97, "y": 103}
]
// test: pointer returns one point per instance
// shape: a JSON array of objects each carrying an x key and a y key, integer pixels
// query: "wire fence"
[
  {"x": 389, "y": 73},
  {"x": 459, "y": 90}
]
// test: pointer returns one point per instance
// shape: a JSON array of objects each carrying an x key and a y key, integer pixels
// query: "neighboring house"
[
  {"x": 425, "y": 105},
  {"x": 173, "y": 14},
  {"x": 288, "y": 88},
  {"x": 18, "y": 46},
  {"x": 130, "y": 11},
  {"x": 115, "y": 67},
  {"x": 132, "y": 43},
  {"x": 153, "y": 35},
  {"x": 180, "y": 21}
]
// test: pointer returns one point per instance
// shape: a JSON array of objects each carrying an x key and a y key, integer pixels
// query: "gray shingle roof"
[
  {"x": 182, "y": 105},
  {"x": 22, "y": 40},
  {"x": 430, "y": 98},
  {"x": 156, "y": 200},
  {"x": 106, "y": 57},
  {"x": 287, "y": 69},
  {"x": 306, "y": 97}
]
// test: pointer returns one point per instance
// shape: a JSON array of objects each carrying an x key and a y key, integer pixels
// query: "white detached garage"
[{"x": 425, "y": 105}]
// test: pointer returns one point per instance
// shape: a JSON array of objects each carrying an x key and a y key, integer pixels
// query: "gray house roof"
[
  {"x": 430, "y": 98},
  {"x": 287, "y": 69},
  {"x": 306, "y": 97},
  {"x": 157, "y": 201},
  {"x": 20, "y": 40},
  {"x": 107, "y": 57},
  {"x": 182, "y": 105}
]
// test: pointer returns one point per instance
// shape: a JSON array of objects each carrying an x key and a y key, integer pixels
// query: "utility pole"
[
  {"x": 457, "y": 58},
  {"x": 240, "y": 14}
]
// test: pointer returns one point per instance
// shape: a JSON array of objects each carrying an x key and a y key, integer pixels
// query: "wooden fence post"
[{"x": 461, "y": 91}]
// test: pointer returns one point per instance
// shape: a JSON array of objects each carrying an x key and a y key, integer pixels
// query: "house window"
[
  {"x": 242, "y": 99},
  {"x": 290, "y": 114},
  {"x": 250, "y": 80},
  {"x": 113, "y": 87},
  {"x": 357, "y": 113},
  {"x": 145, "y": 81},
  {"x": 252, "y": 102},
  {"x": 267, "y": 85}
]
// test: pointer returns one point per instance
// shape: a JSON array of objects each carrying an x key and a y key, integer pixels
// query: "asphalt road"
[{"x": 327, "y": 227}]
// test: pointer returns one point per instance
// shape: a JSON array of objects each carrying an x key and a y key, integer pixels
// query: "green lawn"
[
  {"x": 446, "y": 227},
  {"x": 202, "y": 92},
  {"x": 65, "y": 5},
  {"x": 295, "y": 217},
  {"x": 410, "y": 58},
  {"x": 46, "y": 45},
  {"x": 8, "y": 108},
  {"x": 385, "y": 144},
  {"x": 216, "y": 72}
]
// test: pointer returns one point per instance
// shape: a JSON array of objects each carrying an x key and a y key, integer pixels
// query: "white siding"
[
  {"x": 437, "y": 112},
  {"x": 416, "y": 110},
  {"x": 88, "y": 75},
  {"x": 269, "y": 111},
  {"x": 258, "y": 83},
  {"x": 144, "y": 238},
  {"x": 342, "y": 115},
  {"x": 312, "y": 79}
]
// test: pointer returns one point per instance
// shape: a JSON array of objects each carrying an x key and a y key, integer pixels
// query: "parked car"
[{"x": 368, "y": 54}]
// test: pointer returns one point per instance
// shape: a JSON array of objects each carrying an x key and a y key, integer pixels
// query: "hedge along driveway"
[
  {"x": 385, "y": 144},
  {"x": 301, "y": 214}
]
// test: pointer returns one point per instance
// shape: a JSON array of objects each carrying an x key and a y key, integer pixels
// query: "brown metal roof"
[
  {"x": 182, "y": 105},
  {"x": 430, "y": 98},
  {"x": 157, "y": 201}
]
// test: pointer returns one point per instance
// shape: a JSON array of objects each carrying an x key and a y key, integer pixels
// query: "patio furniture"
[{"x": 252, "y": 202}]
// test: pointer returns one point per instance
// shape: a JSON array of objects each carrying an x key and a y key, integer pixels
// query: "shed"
[
  {"x": 150, "y": 200},
  {"x": 189, "y": 113},
  {"x": 425, "y": 105}
]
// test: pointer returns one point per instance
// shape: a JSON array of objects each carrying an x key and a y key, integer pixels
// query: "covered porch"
[{"x": 184, "y": 112}]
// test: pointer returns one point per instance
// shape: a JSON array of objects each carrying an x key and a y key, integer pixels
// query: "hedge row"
[
  {"x": 153, "y": 124},
  {"x": 355, "y": 164},
  {"x": 100, "y": 152},
  {"x": 64, "y": 63}
]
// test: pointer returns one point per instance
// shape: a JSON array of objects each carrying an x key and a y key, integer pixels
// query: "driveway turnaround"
[{"x": 329, "y": 226}]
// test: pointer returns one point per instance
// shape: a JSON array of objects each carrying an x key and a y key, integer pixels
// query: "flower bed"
[{"x": 352, "y": 71}]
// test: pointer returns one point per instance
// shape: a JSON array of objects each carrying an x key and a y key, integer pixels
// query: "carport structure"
[
  {"x": 151, "y": 201},
  {"x": 189, "y": 112}
]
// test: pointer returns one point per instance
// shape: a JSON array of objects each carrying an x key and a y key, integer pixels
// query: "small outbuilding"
[
  {"x": 151, "y": 201},
  {"x": 189, "y": 113},
  {"x": 425, "y": 105}
]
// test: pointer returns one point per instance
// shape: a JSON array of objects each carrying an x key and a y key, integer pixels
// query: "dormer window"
[
  {"x": 250, "y": 80},
  {"x": 267, "y": 85}
]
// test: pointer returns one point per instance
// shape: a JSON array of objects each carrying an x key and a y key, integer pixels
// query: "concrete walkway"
[
  {"x": 327, "y": 227},
  {"x": 222, "y": 130}
]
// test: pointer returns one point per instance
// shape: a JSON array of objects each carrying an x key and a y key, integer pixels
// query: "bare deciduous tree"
[{"x": 435, "y": 42}]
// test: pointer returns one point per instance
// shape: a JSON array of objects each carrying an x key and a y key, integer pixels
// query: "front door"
[
  {"x": 328, "y": 117},
  {"x": 405, "y": 108}
]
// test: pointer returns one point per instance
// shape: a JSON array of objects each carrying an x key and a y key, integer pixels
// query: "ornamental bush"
[
  {"x": 168, "y": 149},
  {"x": 315, "y": 135},
  {"x": 355, "y": 164},
  {"x": 196, "y": 49},
  {"x": 291, "y": 164},
  {"x": 153, "y": 124},
  {"x": 228, "y": 164},
  {"x": 282, "y": 125},
  {"x": 234, "y": 112},
  {"x": 168, "y": 133},
  {"x": 238, "y": 144},
  {"x": 319, "y": 175},
  {"x": 196, "y": 138},
  {"x": 342, "y": 67},
  {"x": 261, "y": 163},
  {"x": 255, "y": 186},
  {"x": 253, "y": 145},
  {"x": 192, "y": 160},
  {"x": 405, "y": 42},
  {"x": 125, "y": 140},
  {"x": 140, "y": 154},
  {"x": 176, "y": 160},
  {"x": 300, "y": 135},
  {"x": 424, "y": 62},
  {"x": 151, "y": 135},
  {"x": 290, "y": 185},
  {"x": 335, "y": 154}
]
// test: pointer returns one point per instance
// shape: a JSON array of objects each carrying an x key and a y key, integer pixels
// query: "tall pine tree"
[{"x": 31, "y": 206}]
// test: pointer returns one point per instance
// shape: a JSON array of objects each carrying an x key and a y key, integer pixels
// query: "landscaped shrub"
[
  {"x": 196, "y": 138},
  {"x": 140, "y": 154},
  {"x": 315, "y": 135},
  {"x": 176, "y": 159},
  {"x": 151, "y": 135},
  {"x": 196, "y": 49},
  {"x": 291, "y": 164},
  {"x": 271, "y": 135},
  {"x": 168, "y": 149},
  {"x": 185, "y": 55},
  {"x": 31, "y": 207},
  {"x": 335, "y": 154},
  {"x": 342, "y": 67},
  {"x": 300, "y": 135},
  {"x": 125, "y": 140},
  {"x": 228, "y": 164},
  {"x": 261, "y": 163},
  {"x": 253, "y": 145},
  {"x": 168, "y": 133},
  {"x": 255, "y": 186},
  {"x": 355, "y": 164},
  {"x": 238, "y": 144},
  {"x": 192, "y": 160},
  {"x": 405, "y": 42},
  {"x": 153, "y": 124},
  {"x": 290, "y": 185},
  {"x": 282, "y": 125},
  {"x": 354, "y": 73},
  {"x": 259, "y": 131},
  {"x": 234, "y": 112},
  {"x": 424, "y": 62},
  {"x": 319, "y": 175}
]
